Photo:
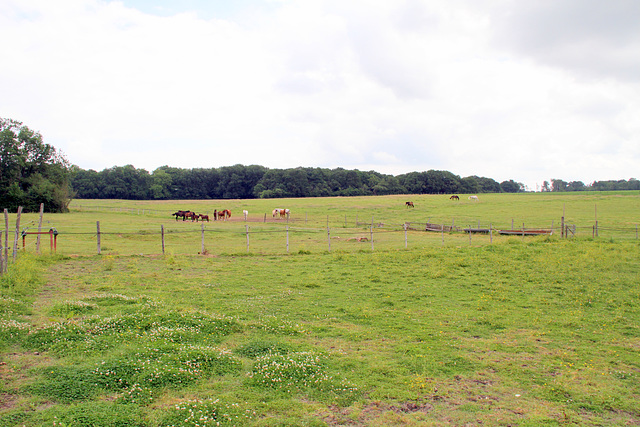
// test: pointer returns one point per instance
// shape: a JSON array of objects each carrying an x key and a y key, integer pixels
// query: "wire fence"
[{"x": 267, "y": 235}]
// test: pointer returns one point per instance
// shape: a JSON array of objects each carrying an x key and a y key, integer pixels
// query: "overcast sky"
[{"x": 527, "y": 90}]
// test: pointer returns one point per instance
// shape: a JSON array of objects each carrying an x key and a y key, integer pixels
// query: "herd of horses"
[
  {"x": 225, "y": 214},
  {"x": 283, "y": 213},
  {"x": 217, "y": 215}
]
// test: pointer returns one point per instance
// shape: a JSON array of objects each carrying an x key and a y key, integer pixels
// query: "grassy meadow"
[{"x": 466, "y": 331}]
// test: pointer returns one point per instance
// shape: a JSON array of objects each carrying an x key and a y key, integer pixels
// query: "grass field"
[
  {"x": 323, "y": 224},
  {"x": 521, "y": 331}
]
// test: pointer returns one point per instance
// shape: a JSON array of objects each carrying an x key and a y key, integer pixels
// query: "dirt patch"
[{"x": 361, "y": 417}]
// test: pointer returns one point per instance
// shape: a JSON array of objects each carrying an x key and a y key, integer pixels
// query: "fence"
[{"x": 271, "y": 236}]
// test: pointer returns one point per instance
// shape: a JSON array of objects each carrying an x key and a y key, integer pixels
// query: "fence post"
[
  {"x": 371, "y": 233},
  {"x": 405, "y": 235},
  {"x": 1, "y": 255},
  {"x": 523, "y": 231},
  {"x": 15, "y": 240},
  {"x": 443, "y": 233},
  {"x": 287, "y": 238},
  {"x": 490, "y": 233},
  {"x": 202, "y": 233},
  {"x": 6, "y": 236},
  {"x": 162, "y": 236},
  {"x": 247, "y": 231},
  {"x": 98, "y": 235},
  {"x": 39, "y": 228},
  {"x": 469, "y": 234},
  {"x": 329, "y": 238}
]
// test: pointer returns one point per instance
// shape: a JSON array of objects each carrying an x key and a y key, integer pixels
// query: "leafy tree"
[
  {"x": 31, "y": 172},
  {"x": 576, "y": 186},
  {"x": 558, "y": 185},
  {"x": 511, "y": 186}
]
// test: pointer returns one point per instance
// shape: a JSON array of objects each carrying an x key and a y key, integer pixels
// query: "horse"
[
  {"x": 184, "y": 215},
  {"x": 190, "y": 214},
  {"x": 409, "y": 204},
  {"x": 473, "y": 198},
  {"x": 454, "y": 197},
  {"x": 245, "y": 213},
  {"x": 203, "y": 217},
  {"x": 178, "y": 214},
  {"x": 224, "y": 214},
  {"x": 275, "y": 212},
  {"x": 284, "y": 212}
]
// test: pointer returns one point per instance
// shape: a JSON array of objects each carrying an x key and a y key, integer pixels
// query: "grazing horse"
[
  {"x": 284, "y": 213},
  {"x": 454, "y": 197},
  {"x": 184, "y": 215},
  {"x": 190, "y": 214},
  {"x": 245, "y": 213},
  {"x": 275, "y": 212},
  {"x": 178, "y": 214},
  {"x": 203, "y": 217},
  {"x": 473, "y": 198},
  {"x": 224, "y": 214},
  {"x": 409, "y": 204}
]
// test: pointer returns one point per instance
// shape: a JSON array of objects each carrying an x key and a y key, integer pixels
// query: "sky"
[{"x": 505, "y": 89}]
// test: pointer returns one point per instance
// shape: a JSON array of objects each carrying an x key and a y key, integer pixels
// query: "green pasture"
[
  {"x": 518, "y": 331},
  {"x": 328, "y": 224}
]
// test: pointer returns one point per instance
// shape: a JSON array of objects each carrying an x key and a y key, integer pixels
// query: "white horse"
[
  {"x": 245, "y": 213},
  {"x": 473, "y": 198},
  {"x": 275, "y": 212}
]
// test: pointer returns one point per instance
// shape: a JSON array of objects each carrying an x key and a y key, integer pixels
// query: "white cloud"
[{"x": 476, "y": 88}]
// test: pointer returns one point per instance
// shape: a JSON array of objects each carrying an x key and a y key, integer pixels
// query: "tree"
[
  {"x": 31, "y": 172},
  {"x": 511, "y": 186},
  {"x": 558, "y": 185}
]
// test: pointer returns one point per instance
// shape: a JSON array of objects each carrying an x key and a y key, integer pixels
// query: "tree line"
[
  {"x": 249, "y": 182},
  {"x": 32, "y": 172}
]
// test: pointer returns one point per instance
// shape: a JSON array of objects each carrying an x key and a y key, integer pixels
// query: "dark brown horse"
[
  {"x": 184, "y": 215},
  {"x": 454, "y": 197},
  {"x": 203, "y": 218},
  {"x": 409, "y": 204}
]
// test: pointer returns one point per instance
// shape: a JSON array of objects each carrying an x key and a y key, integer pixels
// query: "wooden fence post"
[
  {"x": 405, "y": 235},
  {"x": 202, "y": 237},
  {"x": 39, "y": 228},
  {"x": 1, "y": 255},
  {"x": 371, "y": 233},
  {"x": 15, "y": 239},
  {"x": 162, "y": 235},
  {"x": 98, "y": 236},
  {"x": 443, "y": 233},
  {"x": 6, "y": 236},
  {"x": 287, "y": 239},
  {"x": 329, "y": 238},
  {"x": 247, "y": 231}
]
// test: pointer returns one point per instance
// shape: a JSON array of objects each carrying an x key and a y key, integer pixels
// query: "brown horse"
[
  {"x": 224, "y": 214},
  {"x": 192, "y": 215},
  {"x": 184, "y": 215},
  {"x": 203, "y": 218},
  {"x": 409, "y": 204},
  {"x": 454, "y": 197}
]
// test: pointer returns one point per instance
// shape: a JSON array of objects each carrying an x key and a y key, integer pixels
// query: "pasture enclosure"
[
  {"x": 333, "y": 224},
  {"x": 527, "y": 333}
]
